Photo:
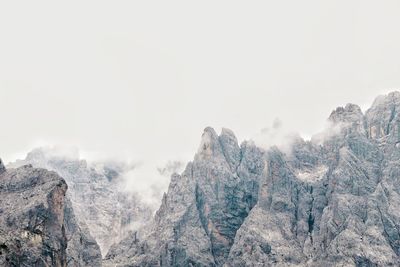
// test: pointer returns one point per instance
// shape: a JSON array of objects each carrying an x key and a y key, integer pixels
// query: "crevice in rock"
[
  {"x": 238, "y": 207},
  {"x": 203, "y": 220},
  {"x": 250, "y": 200},
  {"x": 311, "y": 219},
  {"x": 362, "y": 261},
  {"x": 393, "y": 244},
  {"x": 392, "y": 114},
  {"x": 295, "y": 202},
  {"x": 200, "y": 207}
]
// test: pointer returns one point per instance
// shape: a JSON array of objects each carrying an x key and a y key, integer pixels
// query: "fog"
[{"x": 141, "y": 80}]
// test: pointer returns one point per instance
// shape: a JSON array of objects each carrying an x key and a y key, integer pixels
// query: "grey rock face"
[
  {"x": 99, "y": 204},
  {"x": 329, "y": 203},
  {"x": 35, "y": 221},
  {"x": 383, "y": 118}
]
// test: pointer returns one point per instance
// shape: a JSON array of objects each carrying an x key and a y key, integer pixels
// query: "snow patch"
[{"x": 313, "y": 175}]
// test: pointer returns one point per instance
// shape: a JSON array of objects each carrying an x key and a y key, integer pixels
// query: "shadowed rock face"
[
  {"x": 36, "y": 223},
  {"x": 331, "y": 203}
]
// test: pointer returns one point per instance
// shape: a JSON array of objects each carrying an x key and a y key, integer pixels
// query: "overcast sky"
[{"x": 142, "y": 79}]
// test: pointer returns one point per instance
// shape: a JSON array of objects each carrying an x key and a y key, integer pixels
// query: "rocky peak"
[
  {"x": 348, "y": 119},
  {"x": 209, "y": 145},
  {"x": 383, "y": 118},
  {"x": 228, "y": 134},
  {"x": 349, "y": 114},
  {"x": 392, "y": 98},
  {"x": 230, "y": 147},
  {"x": 220, "y": 148}
]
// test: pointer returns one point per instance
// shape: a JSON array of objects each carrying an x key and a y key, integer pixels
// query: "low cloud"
[
  {"x": 149, "y": 180},
  {"x": 330, "y": 130},
  {"x": 276, "y": 135},
  {"x": 146, "y": 179},
  {"x": 171, "y": 167}
]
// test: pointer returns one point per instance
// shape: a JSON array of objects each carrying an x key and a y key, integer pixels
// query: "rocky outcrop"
[
  {"x": 35, "y": 221},
  {"x": 100, "y": 204},
  {"x": 334, "y": 202}
]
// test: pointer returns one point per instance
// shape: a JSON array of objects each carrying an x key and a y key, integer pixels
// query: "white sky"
[{"x": 142, "y": 79}]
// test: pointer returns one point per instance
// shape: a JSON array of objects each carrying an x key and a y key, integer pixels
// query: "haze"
[{"x": 142, "y": 79}]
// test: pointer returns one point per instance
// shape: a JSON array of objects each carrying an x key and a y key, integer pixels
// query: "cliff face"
[
  {"x": 332, "y": 201},
  {"x": 100, "y": 205},
  {"x": 35, "y": 221}
]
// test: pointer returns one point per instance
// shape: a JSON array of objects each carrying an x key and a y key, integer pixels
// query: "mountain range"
[{"x": 333, "y": 200}]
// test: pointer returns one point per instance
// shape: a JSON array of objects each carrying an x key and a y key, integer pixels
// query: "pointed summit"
[
  {"x": 383, "y": 117},
  {"x": 349, "y": 119},
  {"x": 228, "y": 133},
  {"x": 209, "y": 145},
  {"x": 348, "y": 114},
  {"x": 230, "y": 147},
  {"x": 385, "y": 100}
]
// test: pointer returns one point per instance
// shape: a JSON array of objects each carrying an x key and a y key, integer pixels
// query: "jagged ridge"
[{"x": 332, "y": 201}]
